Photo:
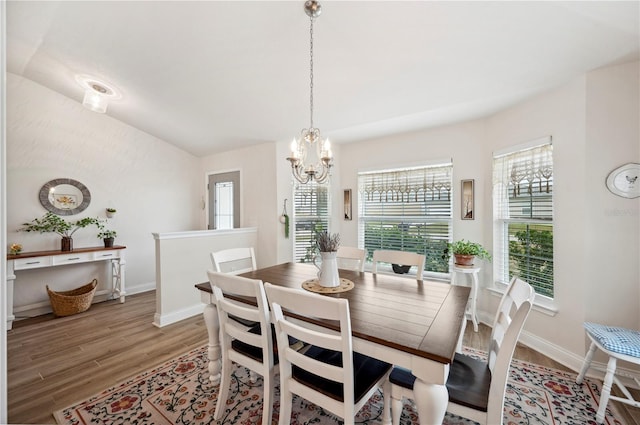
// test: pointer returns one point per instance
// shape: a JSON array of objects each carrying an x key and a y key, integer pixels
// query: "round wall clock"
[{"x": 623, "y": 181}]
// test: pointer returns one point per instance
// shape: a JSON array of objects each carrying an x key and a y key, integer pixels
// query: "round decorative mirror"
[{"x": 65, "y": 196}]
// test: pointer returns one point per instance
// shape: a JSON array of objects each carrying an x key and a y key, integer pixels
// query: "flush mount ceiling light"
[
  {"x": 97, "y": 94},
  {"x": 311, "y": 157}
]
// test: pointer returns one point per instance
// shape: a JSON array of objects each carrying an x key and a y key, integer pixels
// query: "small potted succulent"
[
  {"x": 111, "y": 212},
  {"x": 108, "y": 237},
  {"x": 465, "y": 252},
  {"x": 51, "y": 223}
]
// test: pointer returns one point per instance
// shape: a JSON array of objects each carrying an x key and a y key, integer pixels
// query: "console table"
[{"x": 40, "y": 259}]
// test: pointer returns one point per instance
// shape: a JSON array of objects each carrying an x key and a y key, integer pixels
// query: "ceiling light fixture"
[
  {"x": 96, "y": 93},
  {"x": 311, "y": 157}
]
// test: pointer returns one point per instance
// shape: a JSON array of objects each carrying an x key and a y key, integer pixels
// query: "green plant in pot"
[
  {"x": 108, "y": 237},
  {"x": 465, "y": 252},
  {"x": 51, "y": 223}
]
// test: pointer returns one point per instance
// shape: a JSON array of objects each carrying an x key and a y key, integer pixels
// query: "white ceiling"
[{"x": 210, "y": 76}]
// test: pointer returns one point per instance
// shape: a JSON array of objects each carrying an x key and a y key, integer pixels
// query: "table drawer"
[
  {"x": 31, "y": 263},
  {"x": 106, "y": 255},
  {"x": 72, "y": 258}
]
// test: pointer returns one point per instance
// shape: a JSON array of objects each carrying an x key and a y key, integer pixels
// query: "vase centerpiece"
[
  {"x": 465, "y": 252},
  {"x": 327, "y": 244},
  {"x": 51, "y": 223}
]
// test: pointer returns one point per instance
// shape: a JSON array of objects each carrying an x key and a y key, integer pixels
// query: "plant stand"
[{"x": 473, "y": 271}]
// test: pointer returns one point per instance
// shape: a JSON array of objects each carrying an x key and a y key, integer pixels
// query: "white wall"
[
  {"x": 260, "y": 204},
  {"x": 153, "y": 185},
  {"x": 612, "y": 241},
  {"x": 560, "y": 114},
  {"x": 594, "y": 122},
  {"x": 463, "y": 143}
]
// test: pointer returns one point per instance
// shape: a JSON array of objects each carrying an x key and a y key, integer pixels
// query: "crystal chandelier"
[{"x": 311, "y": 157}]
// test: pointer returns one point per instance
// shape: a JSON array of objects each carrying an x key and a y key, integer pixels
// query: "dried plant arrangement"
[{"x": 327, "y": 242}]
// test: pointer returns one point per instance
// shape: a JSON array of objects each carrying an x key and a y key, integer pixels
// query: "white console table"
[{"x": 40, "y": 259}]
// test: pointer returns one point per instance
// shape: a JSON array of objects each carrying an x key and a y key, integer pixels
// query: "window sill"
[{"x": 542, "y": 304}]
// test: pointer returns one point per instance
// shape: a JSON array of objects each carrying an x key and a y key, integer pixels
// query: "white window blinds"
[
  {"x": 407, "y": 210},
  {"x": 311, "y": 215},
  {"x": 523, "y": 216}
]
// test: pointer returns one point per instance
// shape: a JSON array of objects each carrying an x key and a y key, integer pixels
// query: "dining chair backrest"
[
  {"x": 477, "y": 387},
  {"x": 513, "y": 310},
  {"x": 399, "y": 257},
  {"x": 351, "y": 258},
  {"x": 234, "y": 260},
  {"x": 325, "y": 373},
  {"x": 249, "y": 347}
]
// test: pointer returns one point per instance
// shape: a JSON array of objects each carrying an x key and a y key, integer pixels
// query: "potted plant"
[
  {"x": 465, "y": 252},
  {"x": 107, "y": 236},
  {"x": 51, "y": 223},
  {"x": 111, "y": 212}
]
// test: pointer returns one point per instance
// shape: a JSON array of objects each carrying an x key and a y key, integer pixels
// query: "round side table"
[{"x": 473, "y": 271}]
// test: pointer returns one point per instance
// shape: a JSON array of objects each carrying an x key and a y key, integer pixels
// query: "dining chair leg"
[
  {"x": 386, "y": 404},
  {"x": 396, "y": 410},
  {"x": 606, "y": 389},
  {"x": 223, "y": 392},
  {"x": 286, "y": 402},
  {"x": 267, "y": 408},
  {"x": 587, "y": 363}
]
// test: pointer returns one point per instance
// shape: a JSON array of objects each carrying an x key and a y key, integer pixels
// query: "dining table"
[{"x": 415, "y": 324}]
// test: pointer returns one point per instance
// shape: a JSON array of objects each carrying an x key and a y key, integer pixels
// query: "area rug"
[{"x": 179, "y": 392}]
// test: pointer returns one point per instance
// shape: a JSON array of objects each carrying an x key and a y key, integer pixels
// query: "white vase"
[{"x": 328, "y": 270}]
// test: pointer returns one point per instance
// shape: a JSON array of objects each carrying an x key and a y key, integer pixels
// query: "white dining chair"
[
  {"x": 351, "y": 258},
  {"x": 477, "y": 387},
  {"x": 234, "y": 260},
  {"x": 399, "y": 257},
  {"x": 619, "y": 344},
  {"x": 329, "y": 373},
  {"x": 250, "y": 347}
]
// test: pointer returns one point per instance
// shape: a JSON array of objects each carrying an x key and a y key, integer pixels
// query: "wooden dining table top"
[{"x": 423, "y": 318}]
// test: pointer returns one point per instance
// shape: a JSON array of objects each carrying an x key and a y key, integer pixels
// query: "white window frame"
[
  {"x": 364, "y": 218},
  {"x": 502, "y": 220},
  {"x": 298, "y": 218}
]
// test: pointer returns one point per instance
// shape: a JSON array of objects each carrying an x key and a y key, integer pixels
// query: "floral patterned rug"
[{"x": 179, "y": 392}]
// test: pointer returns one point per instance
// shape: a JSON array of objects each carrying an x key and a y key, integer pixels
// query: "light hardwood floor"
[{"x": 53, "y": 362}]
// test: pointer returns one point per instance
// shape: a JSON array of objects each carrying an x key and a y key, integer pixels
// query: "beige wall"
[
  {"x": 153, "y": 185},
  {"x": 593, "y": 121}
]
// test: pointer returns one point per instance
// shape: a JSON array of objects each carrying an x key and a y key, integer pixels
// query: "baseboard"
[
  {"x": 143, "y": 287},
  {"x": 44, "y": 307},
  {"x": 161, "y": 320}
]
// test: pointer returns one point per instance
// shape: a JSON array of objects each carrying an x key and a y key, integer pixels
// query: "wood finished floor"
[{"x": 53, "y": 362}]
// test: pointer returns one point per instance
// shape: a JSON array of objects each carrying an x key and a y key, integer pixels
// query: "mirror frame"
[
  {"x": 46, "y": 189},
  {"x": 467, "y": 200}
]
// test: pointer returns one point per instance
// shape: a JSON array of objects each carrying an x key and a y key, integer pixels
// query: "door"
[{"x": 224, "y": 200}]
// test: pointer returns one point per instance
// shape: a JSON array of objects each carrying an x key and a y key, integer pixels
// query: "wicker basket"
[{"x": 66, "y": 303}]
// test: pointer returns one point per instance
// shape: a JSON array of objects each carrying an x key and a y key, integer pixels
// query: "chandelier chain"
[{"x": 311, "y": 72}]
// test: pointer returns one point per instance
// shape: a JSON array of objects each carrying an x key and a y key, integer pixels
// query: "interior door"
[{"x": 224, "y": 200}]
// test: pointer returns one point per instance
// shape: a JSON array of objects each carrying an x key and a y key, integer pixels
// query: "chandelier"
[{"x": 311, "y": 157}]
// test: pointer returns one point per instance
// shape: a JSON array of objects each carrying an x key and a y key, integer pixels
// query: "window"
[
  {"x": 311, "y": 215},
  {"x": 523, "y": 215},
  {"x": 224, "y": 200},
  {"x": 407, "y": 210}
]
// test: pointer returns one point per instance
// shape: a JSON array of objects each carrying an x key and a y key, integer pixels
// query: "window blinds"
[
  {"x": 311, "y": 215},
  {"x": 523, "y": 216},
  {"x": 407, "y": 210}
]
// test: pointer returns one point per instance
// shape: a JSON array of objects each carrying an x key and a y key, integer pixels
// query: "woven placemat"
[{"x": 313, "y": 286}]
